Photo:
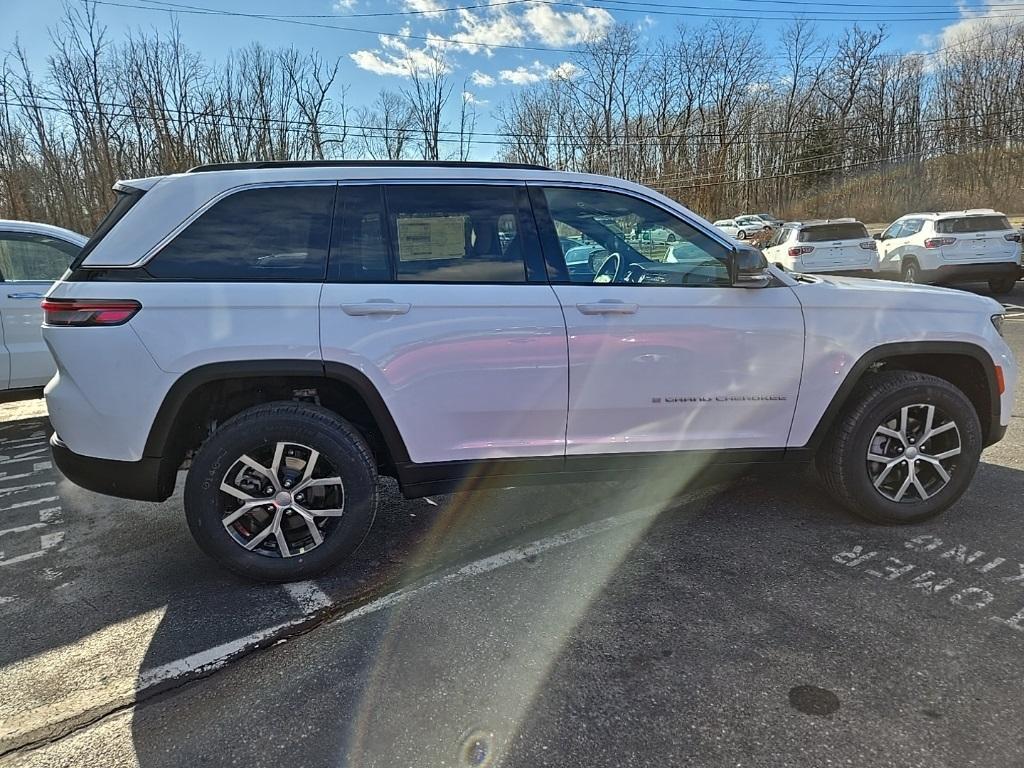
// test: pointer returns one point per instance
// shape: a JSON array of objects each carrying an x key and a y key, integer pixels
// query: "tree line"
[{"x": 713, "y": 116}]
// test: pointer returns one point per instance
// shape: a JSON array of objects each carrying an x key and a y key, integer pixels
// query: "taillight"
[
  {"x": 938, "y": 242},
  {"x": 1013, "y": 237},
  {"x": 797, "y": 250},
  {"x": 81, "y": 313},
  {"x": 869, "y": 245}
]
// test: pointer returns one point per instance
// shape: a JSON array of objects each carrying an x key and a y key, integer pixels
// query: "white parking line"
[
  {"x": 30, "y": 503},
  {"x": 29, "y": 487},
  {"x": 30, "y": 455},
  {"x": 46, "y": 542},
  {"x": 20, "y": 528}
]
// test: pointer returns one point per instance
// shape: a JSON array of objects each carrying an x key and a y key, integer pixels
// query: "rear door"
[
  {"x": 29, "y": 264},
  {"x": 838, "y": 246},
  {"x": 437, "y": 294},
  {"x": 977, "y": 238}
]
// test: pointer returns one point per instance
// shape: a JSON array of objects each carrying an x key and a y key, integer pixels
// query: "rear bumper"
[
  {"x": 145, "y": 480},
  {"x": 966, "y": 273}
]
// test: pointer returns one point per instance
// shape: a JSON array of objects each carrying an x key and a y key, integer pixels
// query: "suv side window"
[
  {"x": 458, "y": 233},
  {"x": 894, "y": 230},
  {"x": 270, "y": 233},
  {"x": 680, "y": 255},
  {"x": 359, "y": 246},
  {"x": 28, "y": 256}
]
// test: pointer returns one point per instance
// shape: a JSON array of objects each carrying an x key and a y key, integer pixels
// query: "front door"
[
  {"x": 668, "y": 356},
  {"x": 29, "y": 264},
  {"x": 442, "y": 305}
]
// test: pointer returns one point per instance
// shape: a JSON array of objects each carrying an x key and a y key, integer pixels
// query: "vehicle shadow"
[{"x": 627, "y": 644}]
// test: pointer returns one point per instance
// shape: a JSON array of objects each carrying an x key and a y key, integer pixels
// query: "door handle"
[
  {"x": 25, "y": 295},
  {"x": 608, "y": 307},
  {"x": 375, "y": 307}
]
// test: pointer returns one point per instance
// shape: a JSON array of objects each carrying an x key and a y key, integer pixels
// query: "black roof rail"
[{"x": 260, "y": 164}]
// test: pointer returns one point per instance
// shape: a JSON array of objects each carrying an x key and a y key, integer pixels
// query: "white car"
[
  {"x": 833, "y": 246},
  {"x": 32, "y": 257},
  {"x": 742, "y": 227},
  {"x": 976, "y": 245},
  {"x": 294, "y": 330},
  {"x": 657, "y": 236}
]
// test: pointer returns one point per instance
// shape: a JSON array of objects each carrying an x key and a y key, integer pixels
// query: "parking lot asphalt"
[{"x": 750, "y": 623}]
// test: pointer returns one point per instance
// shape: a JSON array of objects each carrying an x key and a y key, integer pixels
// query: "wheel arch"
[
  {"x": 339, "y": 387},
  {"x": 959, "y": 363}
]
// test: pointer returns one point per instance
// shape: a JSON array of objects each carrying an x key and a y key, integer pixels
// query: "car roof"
[
  {"x": 821, "y": 222},
  {"x": 38, "y": 228},
  {"x": 937, "y": 215}
]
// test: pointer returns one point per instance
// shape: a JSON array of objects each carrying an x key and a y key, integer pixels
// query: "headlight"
[{"x": 997, "y": 321}]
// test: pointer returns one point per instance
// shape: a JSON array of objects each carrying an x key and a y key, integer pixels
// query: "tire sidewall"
[
  {"x": 203, "y": 502},
  {"x": 869, "y": 500}
]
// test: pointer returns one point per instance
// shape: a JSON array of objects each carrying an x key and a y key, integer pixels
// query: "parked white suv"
[
  {"x": 835, "y": 246},
  {"x": 953, "y": 247},
  {"x": 32, "y": 257},
  {"x": 292, "y": 330}
]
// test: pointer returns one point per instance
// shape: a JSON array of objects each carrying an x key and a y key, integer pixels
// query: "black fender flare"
[{"x": 884, "y": 352}]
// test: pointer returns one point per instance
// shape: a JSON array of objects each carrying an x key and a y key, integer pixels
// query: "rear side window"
[
  {"x": 457, "y": 233},
  {"x": 275, "y": 233},
  {"x": 825, "y": 232},
  {"x": 25, "y": 256},
  {"x": 126, "y": 199},
  {"x": 968, "y": 224},
  {"x": 359, "y": 248}
]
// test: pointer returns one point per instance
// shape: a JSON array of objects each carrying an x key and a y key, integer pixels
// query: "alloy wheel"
[
  {"x": 913, "y": 453},
  {"x": 282, "y": 500}
]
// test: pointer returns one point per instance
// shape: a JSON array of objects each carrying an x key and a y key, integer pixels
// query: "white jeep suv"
[
  {"x": 953, "y": 247},
  {"x": 289, "y": 331},
  {"x": 835, "y": 246}
]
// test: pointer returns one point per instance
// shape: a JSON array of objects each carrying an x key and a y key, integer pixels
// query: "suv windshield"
[
  {"x": 845, "y": 231},
  {"x": 967, "y": 224}
]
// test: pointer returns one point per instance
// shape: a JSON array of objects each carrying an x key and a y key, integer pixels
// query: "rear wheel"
[
  {"x": 1002, "y": 285},
  {"x": 911, "y": 272},
  {"x": 905, "y": 449},
  {"x": 281, "y": 492}
]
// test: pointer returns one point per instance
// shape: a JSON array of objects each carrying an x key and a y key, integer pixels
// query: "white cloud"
[
  {"x": 481, "y": 79},
  {"x": 428, "y": 8},
  {"x": 975, "y": 24},
  {"x": 536, "y": 72},
  {"x": 474, "y": 33},
  {"x": 345, "y": 5},
  {"x": 470, "y": 98},
  {"x": 560, "y": 29},
  {"x": 520, "y": 76},
  {"x": 396, "y": 58}
]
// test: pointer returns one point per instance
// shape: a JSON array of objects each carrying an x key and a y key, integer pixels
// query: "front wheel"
[
  {"x": 281, "y": 492},
  {"x": 904, "y": 450},
  {"x": 741, "y": 235},
  {"x": 1002, "y": 285}
]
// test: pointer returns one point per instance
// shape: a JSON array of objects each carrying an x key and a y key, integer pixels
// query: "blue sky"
[{"x": 531, "y": 29}]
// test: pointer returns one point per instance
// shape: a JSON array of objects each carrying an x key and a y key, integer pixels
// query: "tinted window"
[
  {"x": 635, "y": 242},
  {"x": 359, "y": 250},
  {"x": 25, "y": 256},
  {"x": 457, "y": 233},
  {"x": 854, "y": 231},
  {"x": 276, "y": 233},
  {"x": 967, "y": 224}
]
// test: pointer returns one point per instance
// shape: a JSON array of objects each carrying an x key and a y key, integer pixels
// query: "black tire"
[
  {"x": 1002, "y": 286},
  {"x": 741, "y": 235},
  {"x": 341, "y": 447},
  {"x": 911, "y": 272},
  {"x": 843, "y": 463}
]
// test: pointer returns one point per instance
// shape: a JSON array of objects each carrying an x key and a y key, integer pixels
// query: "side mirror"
[
  {"x": 748, "y": 268},
  {"x": 879, "y": 236}
]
